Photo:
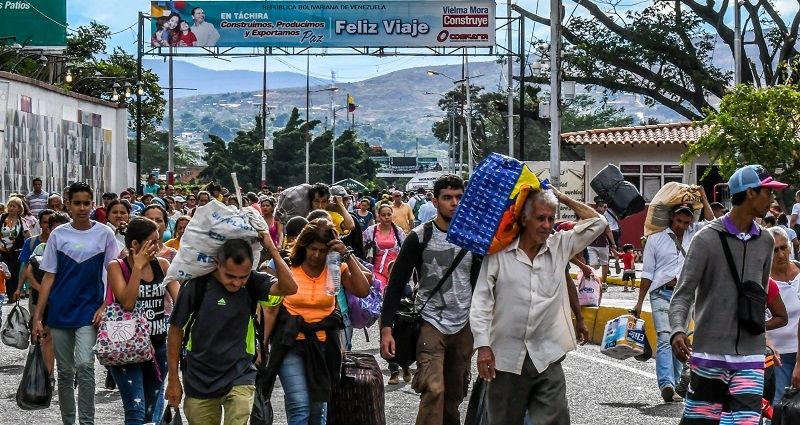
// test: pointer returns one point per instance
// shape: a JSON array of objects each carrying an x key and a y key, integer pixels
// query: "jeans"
[
  {"x": 74, "y": 356},
  {"x": 668, "y": 367},
  {"x": 299, "y": 408},
  {"x": 140, "y": 386},
  {"x": 783, "y": 375}
]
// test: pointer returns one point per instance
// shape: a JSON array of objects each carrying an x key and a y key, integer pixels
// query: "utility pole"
[
  {"x": 469, "y": 116},
  {"x": 737, "y": 42},
  {"x": 522, "y": 64},
  {"x": 555, "y": 92},
  {"x": 308, "y": 134},
  {"x": 139, "y": 49},
  {"x": 171, "y": 140},
  {"x": 509, "y": 88},
  {"x": 264, "y": 122}
]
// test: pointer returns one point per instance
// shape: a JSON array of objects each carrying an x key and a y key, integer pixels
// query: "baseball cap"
[
  {"x": 683, "y": 207},
  {"x": 180, "y": 199},
  {"x": 752, "y": 177}
]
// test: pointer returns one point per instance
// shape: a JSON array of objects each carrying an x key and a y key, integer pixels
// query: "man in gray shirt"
[
  {"x": 206, "y": 34},
  {"x": 726, "y": 358},
  {"x": 445, "y": 331}
]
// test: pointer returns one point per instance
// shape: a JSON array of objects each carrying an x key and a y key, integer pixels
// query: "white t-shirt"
[
  {"x": 796, "y": 209},
  {"x": 785, "y": 338}
]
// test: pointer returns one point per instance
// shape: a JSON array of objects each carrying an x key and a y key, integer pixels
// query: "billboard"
[
  {"x": 571, "y": 182},
  {"x": 34, "y": 24},
  {"x": 323, "y": 23}
]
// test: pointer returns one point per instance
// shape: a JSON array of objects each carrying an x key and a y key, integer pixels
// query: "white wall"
[
  {"x": 49, "y": 142},
  {"x": 599, "y": 156}
]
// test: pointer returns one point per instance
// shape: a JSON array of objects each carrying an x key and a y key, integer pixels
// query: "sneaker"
[
  {"x": 668, "y": 394},
  {"x": 406, "y": 374},
  {"x": 394, "y": 379}
]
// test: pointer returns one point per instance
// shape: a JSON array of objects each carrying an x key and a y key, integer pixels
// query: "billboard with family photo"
[{"x": 323, "y": 23}]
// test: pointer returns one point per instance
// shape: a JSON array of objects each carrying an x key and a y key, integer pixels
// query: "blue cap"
[{"x": 752, "y": 177}]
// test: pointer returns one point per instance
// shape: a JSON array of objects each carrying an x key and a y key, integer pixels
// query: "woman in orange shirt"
[{"x": 306, "y": 347}]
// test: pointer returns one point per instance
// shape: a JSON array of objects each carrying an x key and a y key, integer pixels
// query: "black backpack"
[{"x": 200, "y": 293}]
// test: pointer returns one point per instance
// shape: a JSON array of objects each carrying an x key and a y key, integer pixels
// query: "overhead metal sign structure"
[
  {"x": 38, "y": 24},
  {"x": 323, "y": 24},
  {"x": 334, "y": 27},
  {"x": 326, "y": 28}
]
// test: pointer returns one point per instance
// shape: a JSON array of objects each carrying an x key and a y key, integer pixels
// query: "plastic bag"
[
  {"x": 170, "y": 418},
  {"x": 787, "y": 410},
  {"x": 35, "y": 389},
  {"x": 622, "y": 196},
  {"x": 589, "y": 290},
  {"x": 262, "y": 413},
  {"x": 365, "y": 311},
  {"x": 15, "y": 331},
  {"x": 477, "y": 413},
  {"x": 211, "y": 226}
]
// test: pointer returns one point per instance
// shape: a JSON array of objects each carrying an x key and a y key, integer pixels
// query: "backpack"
[
  {"x": 420, "y": 202},
  {"x": 200, "y": 293},
  {"x": 15, "y": 331}
]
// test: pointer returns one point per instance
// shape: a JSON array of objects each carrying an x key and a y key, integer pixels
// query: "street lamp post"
[
  {"x": 333, "y": 145},
  {"x": 308, "y": 107},
  {"x": 467, "y": 117}
]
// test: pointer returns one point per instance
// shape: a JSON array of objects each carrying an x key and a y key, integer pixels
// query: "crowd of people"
[{"x": 514, "y": 308}]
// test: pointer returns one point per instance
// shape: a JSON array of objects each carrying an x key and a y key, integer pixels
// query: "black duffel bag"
[{"x": 407, "y": 323}]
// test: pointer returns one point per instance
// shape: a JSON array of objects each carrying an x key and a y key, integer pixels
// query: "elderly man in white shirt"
[
  {"x": 520, "y": 314},
  {"x": 206, "y": 34},
  {"x": 664, "y": 254}
]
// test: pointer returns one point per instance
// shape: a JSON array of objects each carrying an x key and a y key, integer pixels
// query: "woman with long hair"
[
  {"x": 363, "y": 214},
  {"x": 275, "y": 226},
  {"x": 158, "y": 214},
  {"x": 385, "y": 239},
  {"x": 307, "y": 329},
  {"x": 138, "y": 278},
  {"x": 13, "y": 232},
  {"x": 118, "y": 213}
]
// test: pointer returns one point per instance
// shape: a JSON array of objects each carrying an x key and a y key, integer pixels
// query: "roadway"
[{"x": 601, "y": 390}]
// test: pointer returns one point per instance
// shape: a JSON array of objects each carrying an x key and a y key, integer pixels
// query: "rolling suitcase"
[{"x": 358, "y": 399}]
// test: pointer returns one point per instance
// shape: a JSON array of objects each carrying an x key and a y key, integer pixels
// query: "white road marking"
[{"x": 614, "y": 364}]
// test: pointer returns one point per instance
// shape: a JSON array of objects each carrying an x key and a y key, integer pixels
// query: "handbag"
[
  {"x": 787, "y": 410},
  {"x": 408, "y": 321},
  {"x": 477, "y": 413},
  {"x": 123, "y": 336},
  {"x": 752, "y": 299}
]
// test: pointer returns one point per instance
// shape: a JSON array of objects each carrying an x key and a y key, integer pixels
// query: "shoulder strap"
[
  {"x": 678, "y": 245},
  {"x": 199, "y": 294},
  {"x": 427, "y": 234},
  {"x": 729, "y": 258},
  {"x": 396, "y": 234},
  {"x": 453, "y": 265},
  {"x": 33, "y": 242},
  {"x": 126, "y": 274}
]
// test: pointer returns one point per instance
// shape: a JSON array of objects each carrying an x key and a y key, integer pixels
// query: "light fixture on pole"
[{"x": 114, "y": 94}]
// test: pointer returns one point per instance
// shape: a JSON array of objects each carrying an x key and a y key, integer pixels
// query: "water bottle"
[{"x": 333, "y": 261}]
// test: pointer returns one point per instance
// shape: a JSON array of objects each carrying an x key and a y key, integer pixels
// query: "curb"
[{"x": 611, "y": 280}]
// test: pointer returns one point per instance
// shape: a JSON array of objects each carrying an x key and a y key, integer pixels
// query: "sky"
[{"x": 121, "y": 16}]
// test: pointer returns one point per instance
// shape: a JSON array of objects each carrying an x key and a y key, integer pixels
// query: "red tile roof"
[{"x": 673, "y": 133}]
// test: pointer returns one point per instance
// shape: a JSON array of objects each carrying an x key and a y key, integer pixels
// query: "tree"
[
  {"x": 155, "y": 155},
  {"x": 665, "y": 51},
  {"x": 753, "y": 126},
  {"x": 285, "y": 162},
  {"x": 489, "y": 122}
]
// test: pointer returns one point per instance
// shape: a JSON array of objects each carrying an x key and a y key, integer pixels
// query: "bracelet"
[{"x": 346, "y": 256}]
